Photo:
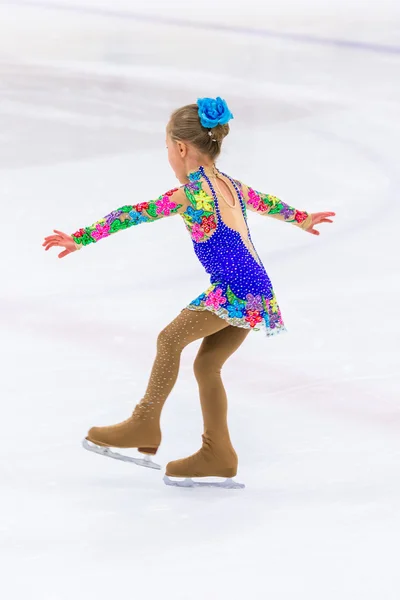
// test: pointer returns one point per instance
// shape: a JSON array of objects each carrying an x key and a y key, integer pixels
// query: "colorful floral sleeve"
[
  {"x": 265, "y": 204},
  {"x": 166, "y": 205}
]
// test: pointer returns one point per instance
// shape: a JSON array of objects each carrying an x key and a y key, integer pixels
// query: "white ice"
[{"x": 86, "y": 90}]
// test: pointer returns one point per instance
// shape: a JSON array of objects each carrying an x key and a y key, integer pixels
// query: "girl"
[{"x": 240, "y": 297}]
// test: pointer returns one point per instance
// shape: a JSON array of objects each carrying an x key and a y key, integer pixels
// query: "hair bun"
[
  {"x": 218, "y": 133},
  {"x": 206, "y": 136}
]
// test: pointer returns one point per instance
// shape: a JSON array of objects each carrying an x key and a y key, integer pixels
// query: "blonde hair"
[{"x": 185, "y": 126}]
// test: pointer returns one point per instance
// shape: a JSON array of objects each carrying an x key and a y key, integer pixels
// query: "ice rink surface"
[{"x": 86, "y": 91}]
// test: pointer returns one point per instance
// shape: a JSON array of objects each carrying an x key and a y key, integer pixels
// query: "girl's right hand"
[
  {"x": 61, "y": 239},
  {"x": 317, "y": 218}
]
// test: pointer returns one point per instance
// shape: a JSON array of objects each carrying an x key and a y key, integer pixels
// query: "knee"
[
  {"x": 165, "y": 338},
  {"x": 170, "y": 339},
  {"x": 206, "y": 364}
]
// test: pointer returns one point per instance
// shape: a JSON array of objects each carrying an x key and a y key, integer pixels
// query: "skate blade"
[
  {"x": 105, "y": 451},
  {"x": 203, "y": 482}
]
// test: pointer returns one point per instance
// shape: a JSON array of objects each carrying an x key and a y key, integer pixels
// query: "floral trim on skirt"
[{"x": 255, "y": 312}]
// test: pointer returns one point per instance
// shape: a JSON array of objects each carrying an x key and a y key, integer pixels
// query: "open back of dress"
[{"x": 229, "y": 208}]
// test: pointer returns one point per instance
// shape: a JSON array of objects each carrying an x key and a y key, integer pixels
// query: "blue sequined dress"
[{"x": 240, "y": 291}]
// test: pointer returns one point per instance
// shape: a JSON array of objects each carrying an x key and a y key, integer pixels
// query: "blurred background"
[{"x": 86, "y": 90}]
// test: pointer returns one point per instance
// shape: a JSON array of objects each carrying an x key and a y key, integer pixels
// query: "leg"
[
  {"x": 217, "y": 456},
  {"x": 213, "y": 353},
  {"x": 142, "y": 429}
]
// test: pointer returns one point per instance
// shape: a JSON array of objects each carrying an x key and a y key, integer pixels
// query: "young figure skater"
[{"x": 240, "y": 297}]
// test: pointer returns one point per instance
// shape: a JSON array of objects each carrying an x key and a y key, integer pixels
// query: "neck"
[{"x": 194, "y": 166}]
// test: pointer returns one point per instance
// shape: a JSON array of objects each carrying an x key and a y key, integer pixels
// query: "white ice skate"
[
  {"x": 220, "y": 482},
  {"x": 143, "y": 460}
]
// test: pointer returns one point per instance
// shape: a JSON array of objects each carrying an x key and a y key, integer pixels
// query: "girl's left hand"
[
  {"x": 60, "y": 239},
  {"x": 317, "y": 218}
]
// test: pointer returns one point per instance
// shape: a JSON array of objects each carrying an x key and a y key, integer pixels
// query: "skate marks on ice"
[
  {"x": 105, "y": 451},
  {"x": 229, "y": 484}
]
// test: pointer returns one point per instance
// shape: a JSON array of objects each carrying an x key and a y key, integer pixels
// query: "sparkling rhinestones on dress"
[{"x": 240, "y": 289}]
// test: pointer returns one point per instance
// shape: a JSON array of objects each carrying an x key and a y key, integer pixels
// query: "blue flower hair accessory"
[{"x": 213, "y": 112}]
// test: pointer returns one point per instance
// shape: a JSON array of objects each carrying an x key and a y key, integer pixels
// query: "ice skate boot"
[
  {"x": 141, "y": 431},
  {"x": 214, "y": 465}
]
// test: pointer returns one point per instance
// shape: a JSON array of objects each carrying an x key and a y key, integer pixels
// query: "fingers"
[
  {"x": 313, "y": 231},
  {"x": 62, "y": 254},
  {"x": 60, "y": 236},
  {"x": 320, "y": 218},
  {"x": 323, "y": 215},
  {"x": 51, "y": 238},
  {"x": 53, "y": 243}
]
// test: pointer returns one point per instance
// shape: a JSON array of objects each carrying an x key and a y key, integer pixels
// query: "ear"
[{"x": 182, "y": 149}]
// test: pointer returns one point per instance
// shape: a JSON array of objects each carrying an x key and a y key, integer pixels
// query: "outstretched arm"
[
  {"x": 168, "y": 204},
  {"x": 265, "y": 204}
]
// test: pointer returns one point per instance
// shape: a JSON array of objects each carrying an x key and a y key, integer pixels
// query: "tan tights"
[
  {"x": 142, "y": 429},
  {"x": 221, "y": 340}
]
